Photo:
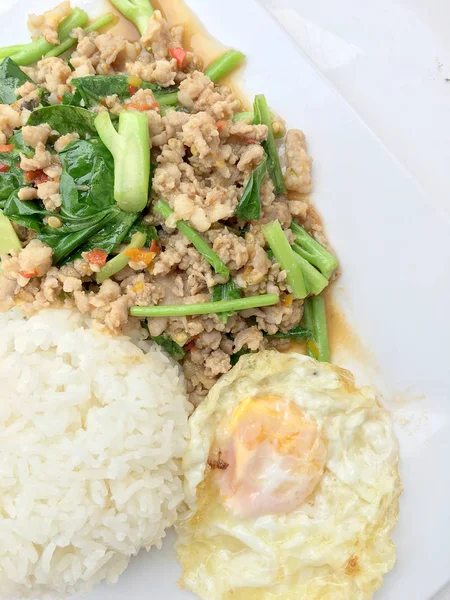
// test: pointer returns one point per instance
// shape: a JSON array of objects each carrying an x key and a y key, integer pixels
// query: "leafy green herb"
[
  {"x": 13, "y": 179},
  {"x": 87, "y": 187},
  {"x": 11, "y": 77},
  {"x": 64, "y": 240},
  {"x": 235, "y": 357},
  {"x": 171, "y": 347},
  {"x": 89, "y": 215},
  {"x": 95, "y": 87},
  {"x": 225, "y": 291},
  {"x": 72, "y": 99},
  {"x": 297, "y": 333},
  {"x": 249, "y": 207},
  {"x": 111, "y": 236},
  {"x": 262, "y": 115},
  {"x": 65, "y": 118},
  {"x": 87, "y": 181}
]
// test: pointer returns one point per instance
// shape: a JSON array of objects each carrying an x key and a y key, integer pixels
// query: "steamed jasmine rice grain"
[{"x": 92, "y": 430}]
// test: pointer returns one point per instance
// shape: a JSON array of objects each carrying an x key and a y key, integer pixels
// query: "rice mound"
[{"x": 92, "y": 431}]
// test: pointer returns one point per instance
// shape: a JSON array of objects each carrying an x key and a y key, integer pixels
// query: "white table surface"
[{"x": 390, "y": 60}]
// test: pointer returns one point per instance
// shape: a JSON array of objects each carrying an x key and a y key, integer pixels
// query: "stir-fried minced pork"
[{"x": 205, "y": 158}]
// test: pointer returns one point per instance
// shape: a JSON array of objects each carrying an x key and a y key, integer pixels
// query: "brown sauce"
[
  {"x": 196, "y": 38},
  {"x": 342, "y": 337}
]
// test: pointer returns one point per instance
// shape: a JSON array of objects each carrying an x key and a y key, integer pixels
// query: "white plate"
[{"x": 394, "y": 246}]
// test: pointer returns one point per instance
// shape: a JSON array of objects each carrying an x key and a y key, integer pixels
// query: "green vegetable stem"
[
  {"x": 307, "y": 247},
  {"x": 249, "y": 117},
  {"x": 120, "y": 261},
  {"x": 205, "y": 308},
  {"x": 223, "y": 66},
  {"x": 286, "y": 258},
  {"x": 315, "y": 281},
  {"x": 163, "y": 209},
  {"x": 130, "y": 147},
  {"x": 315, "y": 320},
  {"x": 34, "y": 51},
  {"x": 70, "y": 42},
  {"x": 8, "y": 237},
  {"x": 138, "y": 12}
]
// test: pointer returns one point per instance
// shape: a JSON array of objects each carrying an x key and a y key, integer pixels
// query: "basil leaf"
[
  {"x": 89, "y": 214},
  {"x": 171, "y": 347},
  {"x": 63, "y": 240},
  {"x": 11, "y": 78},
  {"x": 87, "y": 180},
  {"x": 72, "y": 99},
  {"x": 65, "y": 118},
  {"x": 113, "y": 234},
  {"x": 95, "y": 87},
  {"x": 249, "y": 207},
  {"x": 297, "y": 333},
  {"x": 13, "y": 179},
  {"x": 235, "y": 357}
]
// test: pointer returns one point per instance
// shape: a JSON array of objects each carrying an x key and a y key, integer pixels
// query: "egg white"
[{"x": 336, "y": 544}]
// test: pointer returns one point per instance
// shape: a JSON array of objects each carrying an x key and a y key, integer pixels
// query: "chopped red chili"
[
  {"x": 132, "y": 89},
  {"x": 179, "y": 54},
  {"x": 190, "y": 346},
  {"x": 3, "y": 167},
  {"x": 96, "y": 257},
  {"x": 6, "y": 147},
  {"x": 28, "y": 274},
  {"x": 41, "y": 177},
  {"x": 36, "y": 177},
  {"x": 30, "y": 176}
]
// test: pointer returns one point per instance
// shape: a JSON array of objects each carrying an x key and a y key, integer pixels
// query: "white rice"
[{"x": 92, "y": 431}]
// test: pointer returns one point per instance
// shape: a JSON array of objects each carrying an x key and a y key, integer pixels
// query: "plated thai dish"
[{"x": 164, "y": 357}]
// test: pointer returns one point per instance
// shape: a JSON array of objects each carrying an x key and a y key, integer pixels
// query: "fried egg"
[{"x": 292, "y": 484}]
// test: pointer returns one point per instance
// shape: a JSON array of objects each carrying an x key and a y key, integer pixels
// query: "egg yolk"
[{"x": 270, "y": 457}]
